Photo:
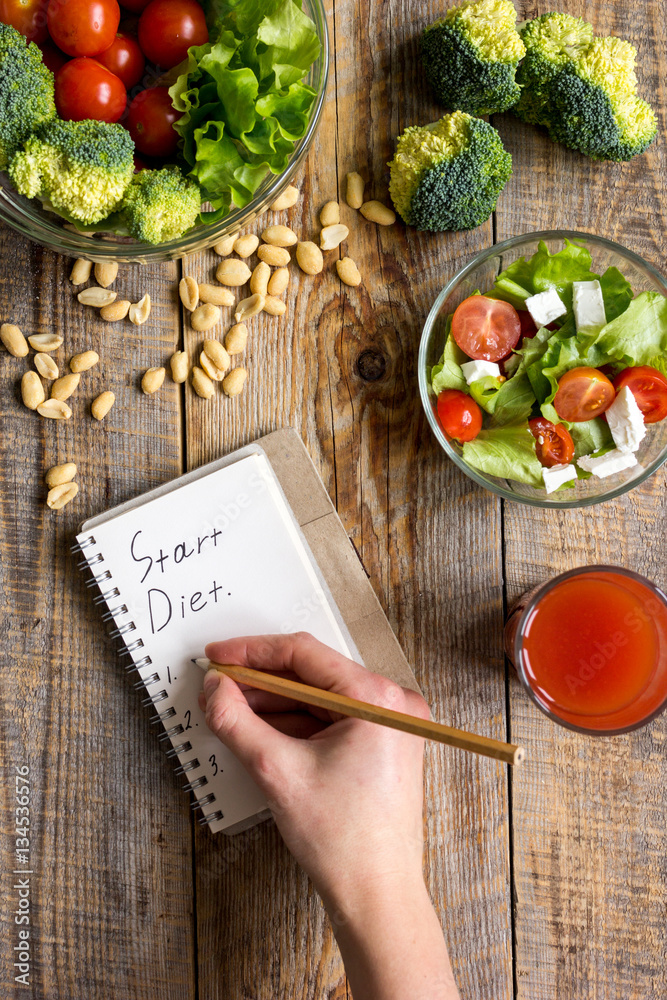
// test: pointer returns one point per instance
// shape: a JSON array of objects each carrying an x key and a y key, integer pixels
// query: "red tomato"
[
  {"x": 27, "y": 16},
  {"x": 553, "y": 443},
  {"x": 83, "y": 27},
  {"x": 459, "y": 415},
  {"x": 86, "y": 89},
  {"x": 124, "y": 59},
  {"x": 583, "y": 393},
  {"x": 486, "y": 329},
  {"x": 649, "y": 387},
  {"x": 167, "y": 29},
  {"x": 150, "y": 122},
  {"x": 528, "y": 328},
  {"x": 52, "y": 57}
]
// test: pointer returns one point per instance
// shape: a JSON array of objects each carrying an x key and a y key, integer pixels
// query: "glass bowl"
[
  {"x": 480, "y": 274},
  {"x": 29, "y": 218}
]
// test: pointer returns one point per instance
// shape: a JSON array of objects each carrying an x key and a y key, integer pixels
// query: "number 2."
[{"x": 188, "y": 724}]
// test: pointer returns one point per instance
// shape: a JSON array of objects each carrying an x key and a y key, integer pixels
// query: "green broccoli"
[
  {"x": 26, "y": 91},
  {"x": 583, "y": 89},
  {"x": 160, "y": 205},
  {"x": 448, "y": 175},
  {"x": 80, "y": 168},
  {"x": 470, "y": 57}
]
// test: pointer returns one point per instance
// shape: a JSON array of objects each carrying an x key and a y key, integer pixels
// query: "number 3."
[{"x": 213, "y": 764}]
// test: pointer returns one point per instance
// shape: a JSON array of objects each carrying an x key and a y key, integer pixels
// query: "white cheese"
[
  {"x": 626, "y": 421},
  {"x": 545, "y": 307},
  {"x": 607, "y": 465},
  {"x": 588, "y": 304},
  {"x": 557, "y": 475},
  {"x": 474, "y": 370}
]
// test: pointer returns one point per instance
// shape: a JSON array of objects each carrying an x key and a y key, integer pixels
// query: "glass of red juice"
[{"x": 590, "y": 647}]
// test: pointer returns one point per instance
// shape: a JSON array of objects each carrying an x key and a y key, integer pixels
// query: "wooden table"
[{"x": 550, "y": 881}]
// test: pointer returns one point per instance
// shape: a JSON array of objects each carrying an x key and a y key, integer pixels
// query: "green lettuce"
[
  {"x": 639, "y": 333},
  {"x": 507, "y": 452},
  {"x": 447, "y": 374}
]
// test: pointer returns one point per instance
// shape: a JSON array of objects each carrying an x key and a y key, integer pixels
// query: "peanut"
[
  {"x": 63, "y": 387},
  {"x": 180, "y": 366},
  {"x": 330, "y": 214},
  {"x": 45, "y": 341},
  {"x": 141, "y": 310},
  {"x": 232, "y": 384},
  {"x": 225, "y": 246},
  {"x": 233, "y": 273},
  {"x": 249, "y": 307},
  {"x": 375, "y": 211},
  {"x": 275, "y": 256},
  {"x": 214, "y": 350},
  {"x": 188, "y": 291},
  {"x": 61, "y": 495},
  {"x": 204, "y": 317},
  {"x": 309, "y": 257},
  {"x": 46, "y": 366},
  {"x": 279, "y": 236},
  {"x": 354, "y": 194},
  {"x": 289, "y": 197},
  {"x": 80, "y": 272},
  {"x": 59, "y": 474},
  {"x": 13, "y": 340},
  {"x": 152, "y": 380},
  {"x": 101, "y": 405},
  {"x": 216, "y": 295},
  {"x": 32, "y": 390},
  {"x": 236, "y": 339},
  {"x": 274, "y": 306},
  {"x": 332, "y": 236},
  {"x": 348, "y": 272},
  {"x": 246, "y": 245},
  {"x": 54, "y": 409},
  {"x": 97, "y": 297},
  {"x": 201, "y": 383},
  {"x": 209, "y": 368},
  {"x": 106, "y": 273},
  {"x": 117, "y": 310},
  {"x": 83, "y": 361},
  {"x": 260, "y": 278},
  {"x": 278, "y": 281}
]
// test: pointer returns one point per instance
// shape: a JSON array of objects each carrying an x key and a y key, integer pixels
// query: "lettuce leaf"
[
  {"x": 543, "y": 271},
  {"x": 507, "y": 452},
  {"x": 448, "y": 374},
  {"x": 637, "y": 334}
]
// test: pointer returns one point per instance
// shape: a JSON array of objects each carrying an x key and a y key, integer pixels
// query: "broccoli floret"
[
  {"x": 470, "y": 57},
  {"x": 26, "y": 91},
  {"x": 160, "y": 205},
  {"x": 448, "y": 175},
  {"x": 583, "y": 89},
  {"x": 81, "y": 168}
]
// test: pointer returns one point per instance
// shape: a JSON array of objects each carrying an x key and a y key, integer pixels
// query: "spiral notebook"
[{"x": 249, "y": 544}]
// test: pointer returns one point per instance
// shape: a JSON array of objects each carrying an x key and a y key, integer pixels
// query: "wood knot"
[{"x": 371, "y": 365}]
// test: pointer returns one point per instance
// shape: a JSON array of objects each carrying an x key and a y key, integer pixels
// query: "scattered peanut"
[
  {"x": 141, "y": 310},
  {"x": 46, "y": 366},
  {"x": 13, "y": 340},
  {"x": 204, "y": 317},
  {"x": 101, "y": 405},
  {"x": 59, "y": 474},
  {"x": 63, "y": 387},
  {"x": 61, "y": 495},
  {"x": 83, "y": 361},
  {"x": 289, "y": 197},
  {"x": 246, "y": 245},
  {"x": 354, "y": 194},
  {"x": 375, "y": 211},
  {"x": 209, "y": 368},
  {"x": 233, "y": 273},
  {"x": 54, "y": 409},
  {"x": 44, "y": 341},
  {"x": 225, "y": 246},
  {"x": 309, "y": 257},
  {"x": 232, "y": 384},
  {"x": 117, "y": 310},
  {"x": 106, "y": 273},
  {"x": 236, "y": 339},
  {"x": 180, "y": 366},
  {"x": 332, "y": 236},
  {"x": 80, "y": 272},
  {"x": 216, "y": 295},
  {"x": 274, "y": 306},
  {"x": 188, "y": 291},
  {"x": 97, "y": 297},
  {"x": 249, "y": 307},
  {"x": 152, "y": 380},
  {"x": 279, "y": 236},
  {"x": 201, "y": 383},
  {"x": 260, "y": 278},
  {"x": 278, "y": 281},
  {"x": 32, "y": 390},
  {"x": 275, "y": 256},
  {"x": 330, "y": 214},
  {"x": 217, "y": 353},
  {"x": 348, "y": 272}
]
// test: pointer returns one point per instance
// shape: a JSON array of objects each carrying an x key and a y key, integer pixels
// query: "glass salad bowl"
[
  {"x": 29, "y": 218},
  {"x": 479, "y": 275}
]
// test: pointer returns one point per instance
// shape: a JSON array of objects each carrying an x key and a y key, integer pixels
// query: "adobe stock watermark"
[{"x": 22, "y": 871}]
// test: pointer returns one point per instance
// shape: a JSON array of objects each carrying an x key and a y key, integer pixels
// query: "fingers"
[{"x": 298, "y": 725}]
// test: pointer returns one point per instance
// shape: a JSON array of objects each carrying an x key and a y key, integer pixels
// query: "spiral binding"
[{"x": 158, "y": 697}]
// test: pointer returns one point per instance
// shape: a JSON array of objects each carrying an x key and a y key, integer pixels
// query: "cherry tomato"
[
  {"x": 553, "y": 443},
  {"x": 27, "y": 16},
  {"x": 528, "y": 328},
  {"x": 52, "y": 57},
  {"x": 167, "y": 29},
  {"x": 486, "y": 329},
  {"x": 150, "y": 122},
  {"x": 86, "y": 89},
  {"x": 583, "y": 393},
  {"x": 649, "y": 387},
  {"x": 83, "y": 27},
  {"x": 124, "y": 59},
  {"x": 459, "y": 415}
]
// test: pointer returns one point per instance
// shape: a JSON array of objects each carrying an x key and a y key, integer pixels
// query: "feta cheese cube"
[
  {"x": 545, "y": 307},
  {"x": 626, "y": 421},
  {"x": 557, "y": 475},
  {"x": 588, "y": 304},
  {"x": 474, "y": 370},
  {"x": 607, "y": 465}
]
